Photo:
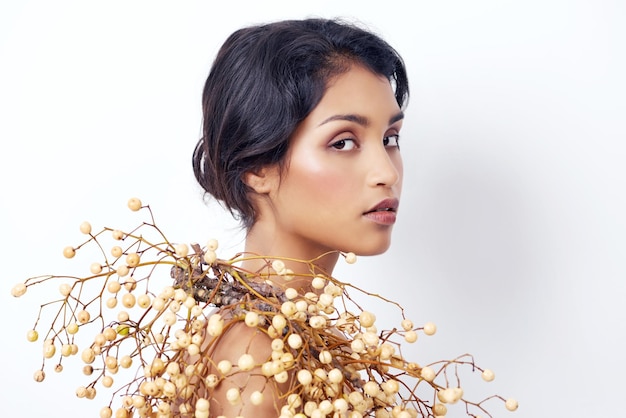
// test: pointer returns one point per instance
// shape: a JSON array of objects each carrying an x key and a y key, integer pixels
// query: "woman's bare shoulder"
[
  {"x": 244, "y": 391},
  {"x": 238, "y": 339}
]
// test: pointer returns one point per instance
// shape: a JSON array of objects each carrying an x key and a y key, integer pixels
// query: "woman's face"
[{"x": 341, "y": 183}]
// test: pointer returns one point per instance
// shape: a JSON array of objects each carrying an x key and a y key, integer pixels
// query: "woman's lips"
[
  {"x": 384, "y": 212},
  {"x": 387, "y": 217}
]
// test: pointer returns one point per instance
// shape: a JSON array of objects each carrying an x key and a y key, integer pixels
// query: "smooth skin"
[{"x": 343, "y": 161}]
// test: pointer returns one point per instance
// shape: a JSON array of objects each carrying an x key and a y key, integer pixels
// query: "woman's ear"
[{"x": 263, "y": 180}]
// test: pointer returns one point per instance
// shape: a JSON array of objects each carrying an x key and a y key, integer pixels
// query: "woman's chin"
[{"x": 370, "y": 250}]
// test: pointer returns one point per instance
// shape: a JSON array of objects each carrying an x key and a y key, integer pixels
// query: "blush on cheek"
[
  {"x": 331, "y": 185},
  {"x": 316, "y": 174}
]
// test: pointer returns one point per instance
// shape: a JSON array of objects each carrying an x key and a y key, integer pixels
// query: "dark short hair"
[{"x": 264, "y": 81}]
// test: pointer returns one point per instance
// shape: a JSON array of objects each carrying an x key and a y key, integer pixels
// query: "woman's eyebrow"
[
  {"x": 398, "y": 116},
  {"x": 359, "y": 119}
]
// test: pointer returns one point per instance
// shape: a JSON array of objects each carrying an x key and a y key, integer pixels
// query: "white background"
[{"x": 512, "y": 231}]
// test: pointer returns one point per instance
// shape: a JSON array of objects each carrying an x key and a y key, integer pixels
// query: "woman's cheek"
[{"x": 330, "y": 181}]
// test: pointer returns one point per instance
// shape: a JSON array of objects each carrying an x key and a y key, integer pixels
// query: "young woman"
[{"x": 301, "y": 142}]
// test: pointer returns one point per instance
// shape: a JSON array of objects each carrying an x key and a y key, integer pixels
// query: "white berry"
[
  {"x": 134, "y": 204},
  {"x": 511, "y": 404},
  {"x": 430, "y": 328},
  {"x": 488, "y": 375}
]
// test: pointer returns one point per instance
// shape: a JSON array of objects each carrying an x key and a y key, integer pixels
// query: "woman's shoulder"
[
  {"x": 236, "y": 339},
  {"x": 237, "y": 357}
]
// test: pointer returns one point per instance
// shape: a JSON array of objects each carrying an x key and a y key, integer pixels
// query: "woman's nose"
[{"x": 386, "y": 167}]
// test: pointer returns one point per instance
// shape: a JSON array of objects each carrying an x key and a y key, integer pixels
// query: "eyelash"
[
  {"x": 388, "y": 141},
  {"x": 339, "y": 145},
  {"x": 394, "y": 139}
]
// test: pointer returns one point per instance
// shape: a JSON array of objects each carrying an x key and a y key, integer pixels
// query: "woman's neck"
[{"x": 303, "y": 258}]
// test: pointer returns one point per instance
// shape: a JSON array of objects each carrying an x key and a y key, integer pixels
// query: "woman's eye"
[
  {"x": 392, "y": 141},
  {"x": 344, "y": 144}
]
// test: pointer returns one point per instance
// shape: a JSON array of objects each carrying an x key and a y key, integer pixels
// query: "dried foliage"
[{"x": 160, "y": 309}]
